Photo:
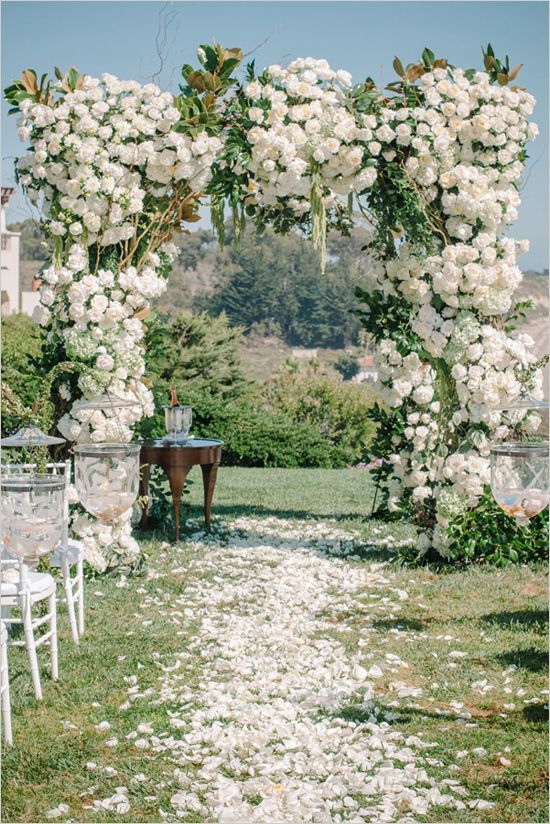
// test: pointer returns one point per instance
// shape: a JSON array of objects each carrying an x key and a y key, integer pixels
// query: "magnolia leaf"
[
  {"x": 428, "y": 57},
  {"x": 143, "y": 313},
  {"x": 517, "y": 88},
  {"x": 196, "y": 81},
  {"x": 398, "y": 66},
  {"x": 146, "y": 381},
  {"x": 488, "y": 61},
  {"x": 502, "y": 78},
  {"x": 233, "y": 54},
  {"x": 440, "y": 64},
  {"x": 211, "y": 81},
  {"x": 209, "y": 100},
  {"x": 415, "y": 71},
  {"x": 29, "y": 80},
  {"x": 515, "y": 71}
]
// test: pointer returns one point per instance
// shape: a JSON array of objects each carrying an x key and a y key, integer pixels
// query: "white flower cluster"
[
  {"x": 100, "y": 151},
  {"x": 403, "y": 377},
  {"x": 301, "y": 131},
  {"x": 99, "y": 539}
]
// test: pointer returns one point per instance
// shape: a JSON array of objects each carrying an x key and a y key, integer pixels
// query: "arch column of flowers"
[{"x": 433, "y": 163}]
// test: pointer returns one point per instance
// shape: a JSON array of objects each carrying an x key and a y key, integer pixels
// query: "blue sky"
[{"x": 362, "y": 37}]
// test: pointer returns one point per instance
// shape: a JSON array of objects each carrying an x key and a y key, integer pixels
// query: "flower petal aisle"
[{"x": 281, "y": 723}]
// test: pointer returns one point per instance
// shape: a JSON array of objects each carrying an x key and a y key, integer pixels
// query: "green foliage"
[
  {"x": 487, "y": 534},
  {"x": 32, "y": 243},
  {"x": 21, "y": 342},
  {"x": 198, "y": 102},
  {"x": 499, "y": 71},
  {"x": 199, "y": 355},
  {"x": 347, "y": 366},
  {"x": 194, "y": 352},
  {"x": 267, "y": 278},
  {"x": 258, "y": 437},
  {"x": 339, "y": 411}
]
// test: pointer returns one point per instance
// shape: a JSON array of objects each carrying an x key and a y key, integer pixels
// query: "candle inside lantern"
[{"x": 519, "y": 478}]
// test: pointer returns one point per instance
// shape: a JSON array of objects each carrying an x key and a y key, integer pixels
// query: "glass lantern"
[
  {"x": 178, "y": 420},
  {"x": 32, "y": 514},
  {"x": 519, "y": 478},
  {"x": 107, "y": 478}
]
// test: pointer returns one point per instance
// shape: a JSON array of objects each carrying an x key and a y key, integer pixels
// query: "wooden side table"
[{"x": 176, "y": 460}]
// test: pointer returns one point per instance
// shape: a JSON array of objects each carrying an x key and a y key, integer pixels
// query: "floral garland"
[
  {"x": 295, "y": 149},
  {"x": 434, "y": 166}
]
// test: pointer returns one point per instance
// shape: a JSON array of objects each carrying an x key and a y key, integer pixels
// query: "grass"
[{"x": 498, "y": 618}]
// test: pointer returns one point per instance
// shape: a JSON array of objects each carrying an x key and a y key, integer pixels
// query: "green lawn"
[{"x": 474, "y": 643}]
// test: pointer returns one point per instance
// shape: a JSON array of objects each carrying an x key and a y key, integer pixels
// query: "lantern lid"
[{"x": 30, "y": 435}]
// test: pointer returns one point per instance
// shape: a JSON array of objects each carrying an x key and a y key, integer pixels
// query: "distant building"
[
  {"x": 13, "y": 300},
  {"x": 368, "y": 372},
  {"x": 304, "y": 354},
  {"x": 10, "y": 261}
]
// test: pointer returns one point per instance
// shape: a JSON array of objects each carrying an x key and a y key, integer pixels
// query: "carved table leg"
[
  {"x": 177, "y": 477},
  {"x": 144, "y": 492},
  {"x": 209, "y": 473}
]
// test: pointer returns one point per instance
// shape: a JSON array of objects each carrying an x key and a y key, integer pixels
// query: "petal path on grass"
[{"x": 285, "y": 723}]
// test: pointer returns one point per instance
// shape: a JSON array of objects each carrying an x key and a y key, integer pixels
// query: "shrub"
[
  {"x": 21, "y": 342},
  {"x": 199, "y": 354},
  {"x": 339, "y": 411},
  {"x": 256, "y": 437},
  {"x": 487, "y": 535},
  {"x": 196, "y": 351},
  {"x": 347, "y": 366}
]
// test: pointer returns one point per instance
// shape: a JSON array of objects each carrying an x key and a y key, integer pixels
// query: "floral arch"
[{"x": 433, "y": 162}]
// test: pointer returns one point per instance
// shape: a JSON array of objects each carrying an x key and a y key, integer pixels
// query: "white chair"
[
  {"x": 22, "y": 588},
  {"x": 68, "y": 552},
  {"x": 71, "y": 553},
  {"x": 5, "y": 685}
]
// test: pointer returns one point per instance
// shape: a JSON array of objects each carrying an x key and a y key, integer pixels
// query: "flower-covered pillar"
[
  {"x": 114, "y": 167},
  {"x": 440, "y": 302}
]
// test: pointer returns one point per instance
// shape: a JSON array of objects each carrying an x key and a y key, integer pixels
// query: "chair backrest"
[{"x": 63, "y": 468}]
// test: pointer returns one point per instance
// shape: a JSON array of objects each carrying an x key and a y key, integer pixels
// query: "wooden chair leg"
[{"x": 209, "y": 474}]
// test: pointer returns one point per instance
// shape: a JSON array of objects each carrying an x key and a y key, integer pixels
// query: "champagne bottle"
[{"x": 173, "y": 397}]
